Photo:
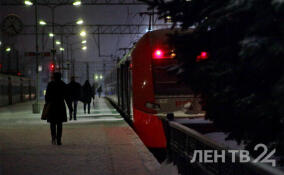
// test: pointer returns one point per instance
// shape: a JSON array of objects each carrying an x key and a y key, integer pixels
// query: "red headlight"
[
  {"x": 202, "y": 56},
  {"x": 158, "y": 54}
]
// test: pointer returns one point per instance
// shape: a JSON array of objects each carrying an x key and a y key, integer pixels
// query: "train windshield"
[{"x": 166, "y": 81}]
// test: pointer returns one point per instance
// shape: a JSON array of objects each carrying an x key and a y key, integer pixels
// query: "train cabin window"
[{"x": 166, "y": 81}]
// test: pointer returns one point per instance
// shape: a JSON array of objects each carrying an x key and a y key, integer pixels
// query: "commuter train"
[
  {"x": 143, "y": 86},
  {"x": 14, "y": 89}
]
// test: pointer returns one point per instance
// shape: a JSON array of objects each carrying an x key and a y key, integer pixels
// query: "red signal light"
[
  {"x": 19, "y": 74},
  {"x": 158, "y": 54},
  {"x": 52, "y": 67},
  {"x": 203, "y": 56}
]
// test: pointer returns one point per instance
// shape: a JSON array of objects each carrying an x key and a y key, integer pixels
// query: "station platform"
[{"x": 100, "y": 143}]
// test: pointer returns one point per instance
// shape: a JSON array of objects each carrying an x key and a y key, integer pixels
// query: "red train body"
[{"x": 142, "y": 86}]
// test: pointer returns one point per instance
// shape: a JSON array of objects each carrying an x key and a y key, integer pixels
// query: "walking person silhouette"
[
  {"x": 87, "y": 95},
  {"x": 56, "y": 94},
  {"x": 100, "y": 90},
  {"x": 74, "y": 90}
]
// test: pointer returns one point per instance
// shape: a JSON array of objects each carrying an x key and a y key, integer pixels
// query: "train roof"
[
  {"x": 155, "y": 34},
  {"x": 126, "y": 56}
]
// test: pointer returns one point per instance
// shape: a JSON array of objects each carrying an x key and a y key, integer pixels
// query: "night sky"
[{"x": 92, "y": 15}]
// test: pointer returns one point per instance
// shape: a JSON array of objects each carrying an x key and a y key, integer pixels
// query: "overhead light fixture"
[
  {"x": 83, "y": 33},
  {"x": 28, "y": 3},
  {"x": 77, "y": 3},
  {"x": 51, "y": 35},
  {"x": 8, "y": 49},
  {"x": 84, "y": 48},
  {"x": 148, "y": 30},
  {"x": 42, "y": 22},
  {"x": 57, "y": 42},
  {"x": 84, "y": 41},
  {"x": 61, "y": 49},
  {"x": 80, "y": 22}
]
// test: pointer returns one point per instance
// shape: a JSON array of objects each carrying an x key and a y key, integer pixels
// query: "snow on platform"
[{"x": 99, "y": 144}]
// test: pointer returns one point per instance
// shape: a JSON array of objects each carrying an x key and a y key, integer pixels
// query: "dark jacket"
[
  {"x": 100, "y": 89},
  {"x": 87, "y": 93},
  {"x": 56, "y": 93},
  {"x": 74, "y": 90}
]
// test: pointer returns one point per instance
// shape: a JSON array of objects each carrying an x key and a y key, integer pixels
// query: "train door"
[
  {"x": 123, "y": 89},
  {"x": 130, "y": 91},
  {"x": 118, "y": 79},
  {"x": 126, "y": 90}
]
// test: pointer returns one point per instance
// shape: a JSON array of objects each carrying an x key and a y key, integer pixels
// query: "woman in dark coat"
[
  {"x": 56, "y": 93},
  {"x": 87, "y": 95}
]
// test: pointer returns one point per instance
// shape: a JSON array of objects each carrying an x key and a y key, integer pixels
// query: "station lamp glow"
[
  {"x": 84, "y": 41},
  {"x": 51, "y": 35},
  {"x": 84, "y": 48},
  {"x": 0, "y": 43},
  {"x": 168, "y": 18},
  {"x": 61, "y": 49},
  {"x": 83, "y": 33},
  {"x": 42, "y": 22},
  {"x": 77, "y": 3},
  {"x": 148, "y": 30},
  {"x": 28, "y": 3},
  {"x": 57, "y": 42},
  {"x": 8, "y": 49},
  {"x": 40, "y": 68},
  {"x": 96, "y": 77},
  {"x": 79, "y": 22},
  {"x": 101, "y": 77}
]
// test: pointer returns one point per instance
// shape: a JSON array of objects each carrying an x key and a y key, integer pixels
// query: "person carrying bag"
[{"x": 44, "y": 114}]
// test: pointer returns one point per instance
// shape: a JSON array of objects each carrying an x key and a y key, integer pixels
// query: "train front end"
[{"x": 156, "y": 88}]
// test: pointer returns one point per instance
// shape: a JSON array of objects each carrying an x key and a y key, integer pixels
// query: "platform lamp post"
[
  {"x": 84, "y": 48},
  {"x": 36, "y": 105}
]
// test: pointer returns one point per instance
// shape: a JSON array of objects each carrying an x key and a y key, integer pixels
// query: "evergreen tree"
[{"x": 242, "y": 81}]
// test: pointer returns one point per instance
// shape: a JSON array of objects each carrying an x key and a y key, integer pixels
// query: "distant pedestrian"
[
  {"x": 100, "y": 90},
  {"x": 74, "y": 91},
  {"x": 87, "y": 95},
  {"x": 94, "y": 89},
  {"x": 56, "y": 94}
]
